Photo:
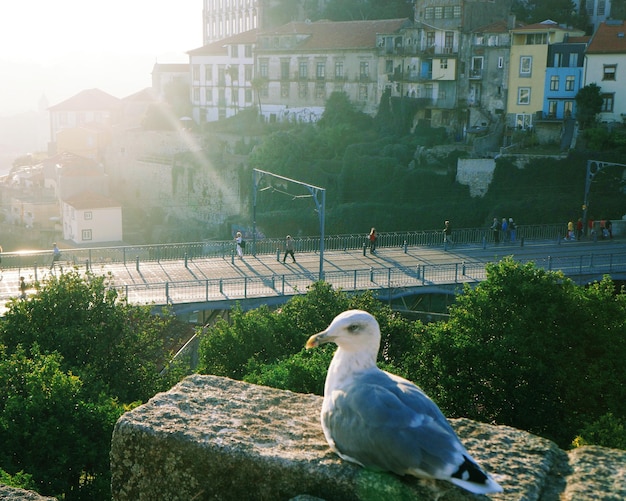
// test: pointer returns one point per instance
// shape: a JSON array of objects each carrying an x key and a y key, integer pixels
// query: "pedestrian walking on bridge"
[{"x": 289, "y": 249}]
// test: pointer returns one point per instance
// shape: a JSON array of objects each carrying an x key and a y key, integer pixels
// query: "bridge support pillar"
[
  {"x": 278, "y": 254},
  {"x": 405, "y": 247},
  {"x": 186, "y": 263},
  {"x": 137, "y": 262},
  {"x": 364, "y": 249}
]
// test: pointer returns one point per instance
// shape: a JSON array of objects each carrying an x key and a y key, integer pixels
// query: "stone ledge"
[{"x": 216, "y": 438}]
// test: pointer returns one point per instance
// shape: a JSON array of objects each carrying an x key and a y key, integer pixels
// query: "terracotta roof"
[
  {"x": 87, "y": 100},
  {"x": 339, "y": 34},
  {"x": 91, "y": 200},
  {"x": 609, "y": 38},
  {"x": 219, "y": 48},
  {"x": 546, "y": 25}
]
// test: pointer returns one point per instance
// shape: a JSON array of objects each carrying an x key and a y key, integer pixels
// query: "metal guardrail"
[
  {"x": 358, "y": 279},
  {"x": 129, "y": 254}
]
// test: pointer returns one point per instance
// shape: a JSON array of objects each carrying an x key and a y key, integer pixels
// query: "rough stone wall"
[
  {"x": 476, "y": 173},
  {"x": 215, "y": 438}
]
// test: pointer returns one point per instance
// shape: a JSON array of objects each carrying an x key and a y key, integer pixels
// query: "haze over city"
[{"x": 56, "y": 49}]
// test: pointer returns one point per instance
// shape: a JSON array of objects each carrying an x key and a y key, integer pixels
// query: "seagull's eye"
[{"x": 353, "y": 327}]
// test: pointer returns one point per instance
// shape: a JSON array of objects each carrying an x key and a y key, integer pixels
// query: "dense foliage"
[
  {"x": 73, "y": 358},
  {"x": 526, "y": 348},
  {"x": 379, "y": 175}
]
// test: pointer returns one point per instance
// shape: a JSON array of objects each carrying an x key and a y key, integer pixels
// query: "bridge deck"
[{"x": 222, "y": 280}]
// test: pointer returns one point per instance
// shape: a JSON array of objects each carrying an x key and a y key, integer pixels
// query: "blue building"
[{"x": 564, "y": 77}]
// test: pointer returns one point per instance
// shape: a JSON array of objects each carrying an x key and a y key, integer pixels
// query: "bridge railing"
[
  {"x": 358, "y": 279},
  {"x": 129, "y": 254}
]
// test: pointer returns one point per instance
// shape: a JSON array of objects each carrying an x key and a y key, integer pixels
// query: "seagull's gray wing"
[{"x": 388, "y": 423}]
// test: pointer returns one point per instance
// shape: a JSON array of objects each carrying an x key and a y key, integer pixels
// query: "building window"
[
  {"x": 195, "y": 72},
  {"x": 284, "y": 70},
  {"x": 448, "y": 42},
  {"x": 364, "y": 70},
  {"x": 234, "y": 96},
  {"x": 448, "y": 12},
  {"x": 525, "y": 66},
  {"x": 536, "y": 39},
  {"x": 429, "y": 13},
  {"x": 389, "y": 66},
  {"x": 248, "y": 95},
  {"x": 523, "y": 95},
  {"x": 248, "y": 50},
  {"x": 284, "y": 89},
  {"x": 501, "y": 62},
  {"x": 234, "y": 51},
  {"x": 438, "y": 12},
  {"x": 320, "y": 71},
  {"x": 208, "y": 95},
  {"x": 573, "y": 60},
  {"x": 339, "y": 70},
  {"x": 208, "y": 73},
  {"x": 88, "y": 215},
  {"x": 570, "y": 82},
  {"x": 554, "y": 82},
  {"x": 86, "y": 235},
  {"x": 303, "y": 71},
  {"x": 196, "y": 95},
  {"x": 568, "y": 108},
  {"x": 303, "y": 90},
  {"x": 552, "y": 109},
  {"x": 362, "y": 92},
  {"x": 263, "y": 68},
  {"x": 430, "y": 39},
  {"x": 608, "y": 100},
  {"x": 320, "y": 91},
  {"x": 457, "y": 11},
  {"x": 248, "y": 72},
  {"x": 443, "y": 64},
  {"x": 609, "y": 72},
  {"x": 601, "y": 7}
]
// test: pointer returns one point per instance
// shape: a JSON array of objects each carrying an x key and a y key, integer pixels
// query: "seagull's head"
[{"x": 352, "y": 330}]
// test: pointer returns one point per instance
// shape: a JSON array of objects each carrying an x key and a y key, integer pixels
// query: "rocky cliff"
[{"x": 215, "y": 438}]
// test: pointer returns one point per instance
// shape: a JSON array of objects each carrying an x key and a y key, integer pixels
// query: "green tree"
[
  {"x": 340, "y": 110},
  {"x": 48, "y": 429},
  {"x": 73, "y": 358},
  {"x": 588, "y": 104},
  {"x": 530, "y": 349}
]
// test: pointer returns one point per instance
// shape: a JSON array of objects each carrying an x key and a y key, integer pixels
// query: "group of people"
[
  {"x": 506, "y": 228},
  {"x": 602, "y": 229}
]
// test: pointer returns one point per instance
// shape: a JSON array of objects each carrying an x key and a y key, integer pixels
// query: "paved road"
[{"x": 265, "y": 275}]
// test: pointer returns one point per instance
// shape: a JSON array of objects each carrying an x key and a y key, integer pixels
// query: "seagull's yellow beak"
[{"x": 317, "y": 339}]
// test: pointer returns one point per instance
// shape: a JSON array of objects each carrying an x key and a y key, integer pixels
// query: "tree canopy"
[{"x": 73, "y": 357}]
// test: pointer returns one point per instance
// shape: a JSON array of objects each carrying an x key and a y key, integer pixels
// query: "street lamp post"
[{"x": 314, "y": 191}]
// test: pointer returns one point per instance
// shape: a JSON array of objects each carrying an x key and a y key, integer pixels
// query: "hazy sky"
[{"x": 57, "y": 48}]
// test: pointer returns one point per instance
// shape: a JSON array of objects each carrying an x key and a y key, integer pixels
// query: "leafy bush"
[
  {"x": 530, "y": 349},
  {"x": 608, "y": 431},
  {"x": 73, "y": 358}
]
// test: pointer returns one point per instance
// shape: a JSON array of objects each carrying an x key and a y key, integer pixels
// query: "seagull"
[{"x": 382, "y": 421}]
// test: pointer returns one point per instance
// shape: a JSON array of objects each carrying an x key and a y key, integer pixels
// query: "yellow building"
[{"x": 527, "y": 70}]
